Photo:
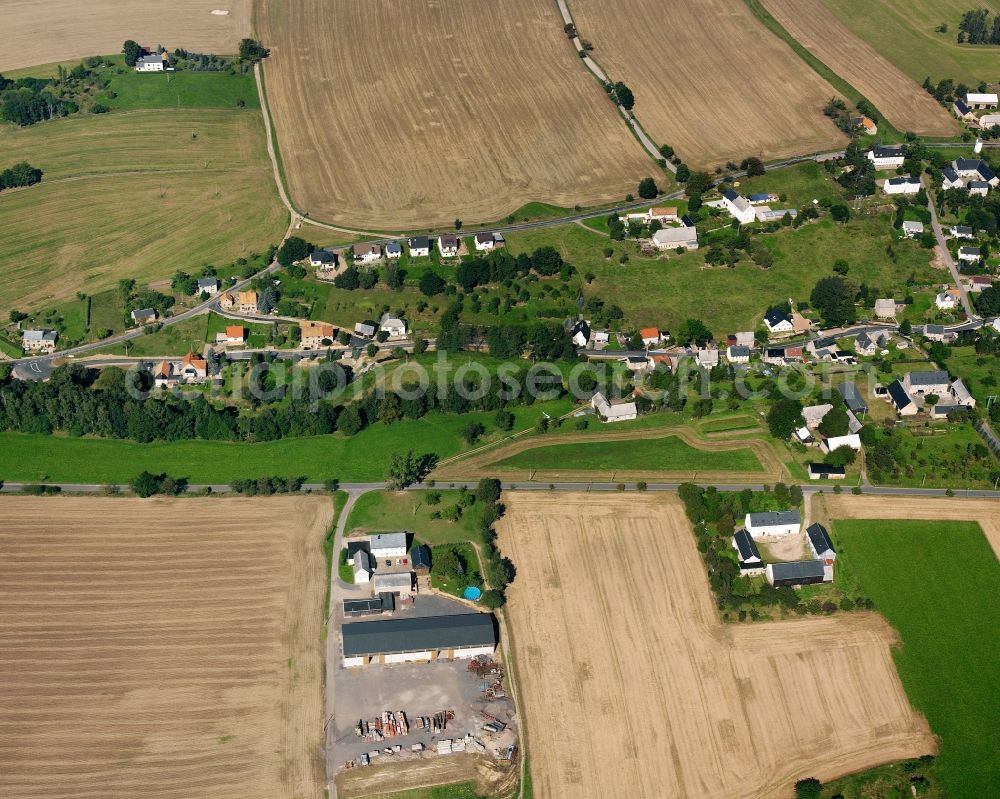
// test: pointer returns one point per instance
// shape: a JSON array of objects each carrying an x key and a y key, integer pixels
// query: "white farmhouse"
[
  {"x": 739, "y": 206},
  {"x": 485, "y": 241},
  {"x": 969, "y": 254},
  {"x": 362, "y": 566},
  {"x": 670, "y": 238},
  {"x": 778, "y": 322},
  {"x": 393, "y": 250},
  {"x": 617, "y": 412},
  {"x": 775, "y": 522},
  {"x": 154, "y": 62},
  {"x": 945, "y": 301},
  {"x": 39, "y": 340},
  {"x": 902, "y": 185},
  {"x": 748, "y": 555},
  {"x": 980, "y": 100},
  {"x": 884, "y": 157},
  {"x": 396, "y": 328},
  {"x": 387, "y": 545}
]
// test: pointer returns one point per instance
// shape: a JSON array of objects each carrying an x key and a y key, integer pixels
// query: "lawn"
[
  {"x": 391, "y": 510},
  {"x": 258, "y": 334},
  {"x": 177, "y": 339},
  {"x": 937, "y": 584},
  {"x": 980, "y": 373},
  {"x": 461, "y": 790},
  {"x": 107, "y": 312},
  {"x": 361, "y": 458},
  {"x": 129, "y": 90},
  {"x": 641, "y": 455},
  {"x": 472, "y": 576},
  {"x": 138, "y": 194},
  {"x": 941, "y": 455}
]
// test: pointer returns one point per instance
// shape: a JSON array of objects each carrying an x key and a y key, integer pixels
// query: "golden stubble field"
[
  {"x": 709, "y": 79},
  {"x": 393, "y": 115},
  {"x": 162, "y": 648},
  {"x": 631, "y": 686},
  {"x": 895, "y": 94},
  {"x": 43, "y": 31}
]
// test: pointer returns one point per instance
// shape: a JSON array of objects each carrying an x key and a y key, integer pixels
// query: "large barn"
[{"x": 461, "y": 636}]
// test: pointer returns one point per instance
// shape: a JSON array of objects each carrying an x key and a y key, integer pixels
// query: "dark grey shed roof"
[
  {"x": 417, "y": 635},
  {"x": 356, "y": 546},
  {"x": 746, "y": 546},
  {"x": 898, "y": 395},
  {"x": 797, "y": 570},
  {"x": 419, "y": 242},
  {"x": 933, "y": 377},
  {"x": 774, "y": 317},
  {"x": 820, "y": 538},
  {"x": 322, "y": 256},
  {"x": 772, "y": 517},
  {"x": 420, "y": 557},
  {"x": 852, "y": 399}
]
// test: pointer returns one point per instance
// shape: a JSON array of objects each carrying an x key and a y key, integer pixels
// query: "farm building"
[
  {"x": 420, "y": 559},
  {"x": 419, "y": 246},
  {"x": 370, "y": 606},
  {"x": 461, "y": 636},
  {"x": 825, "y": 471},
  {"x": 813, "y": 414},
  {"x": 798, "y": 572},
  {"x": 901, "y": 399},
  {"x": 765, "y": 213},
  {"x": 670, "y": 238},
  {"x": 39, "y": 340},
  {"x": 387, "y": 545},
  {"x": 362, "y": 566},
  {"x": 980, "y": 100},
  {"x": 836, "y": 442},
  {"x": 962, "y": 111},
  {"x": 773, "y": 522},
  {"x": 927, "y": 382},
  {"x": 884, "y": 157},
  {"x": 393, "y": 583},
  {"x": 902, "y": 185},
  {"x": 820, "y": 544},
  {"x": 322, "y": 259},
  {"x": 911, "y": 229},
  {"x": 613, "y": 412},
  {"x": 852, "y": 398},
  {"x": 154, "y": 62},
  {"x": 738, "y": 206},
  {"x": 749, "y": 557},
  {"x": 988, "y": 121}
]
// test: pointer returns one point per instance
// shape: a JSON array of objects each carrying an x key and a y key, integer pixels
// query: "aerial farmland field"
[
  {"x": 633, "y": 687},
  {"x": 135, "y": 194},
  {"x": 395, "y": 116},
  {"x": 163, "y": 648},
  {"x": 709, "y": 79},
  {"x": 906, "y": 105},
  {"x": 43, "y": 31}
]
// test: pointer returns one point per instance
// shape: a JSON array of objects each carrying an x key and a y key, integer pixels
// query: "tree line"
[
  {"x": 976, "y": 28},
  {"x": 539, "y": 340},
  {"x": 26, "y": 101}
]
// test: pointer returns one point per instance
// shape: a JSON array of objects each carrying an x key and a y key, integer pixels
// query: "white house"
[
  {"x": 144, "y": 316},
  {"x": 393, "y": 250},
  {"x": 778, "y": 322},
  {"x": 961, "y": 232},
  {"x": 154, "y": 62},
  {"x": 961, "y": 394},
  {"x": 650, "y": 336},
  {"x": 208, "y": 285},
  {"x": 979, "y": 188},
  {"x": 448, "y": 245},
  {"x": 980, "y": 100},
  {"x": 739, "y": 206},
  {"x": 362, "y": 566},
  {"x": 396, "y": 328},
  {"x": 485, "y": 241},
  {"x": 387, "y": 545},
  {"x": 367, "y": 253},
  {"x": 662, "y": 215},
  {"x": 945, "y": 301},
  {"x": 747, "y": 554},
  {"x": 970, "y": 254},
  {"x": 773, "y": 522},
  {"x": 39, "y": 340},
  {"x": 670, "y": 238},
  {"x": 707, "y": 357},
  {"x": 852, "y": 440},
  {"x": 911, "y": 229},
  {"x": 419, "y": 246},
  {"x": 883, "y": 157},
  {"x": 737, "y": 353},
  {"x": 365, "y": 329},
  {"x": 901, "y": 399},
  {"x": 902, "y": 185},
  {"x": 818, "y": 540},
  {"x": 581, "y": 333},
  {"x": 322, "y": 259},
  {"x": 617, "y": 412}
]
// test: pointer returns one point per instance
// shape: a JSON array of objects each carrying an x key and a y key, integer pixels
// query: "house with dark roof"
[
  {"x": 971, "y": 255},
  {"x": 932, "y": 381},
  {"x": 886, "y": 157},
  {"x": 962, "y": 232},
  {"x": 825, "y": 471},
  {"x": 797, "y": 572},
  {"x": 322, "y": 259},
  {"x": 370, "y": 606},
  {"x": 420, "y": 560},
  {"x": 448, "y": 245},
  {"x": 408, "y": 640},
  {"x": 393, "y": 250},
  {"x": 962, "y": 111},
  {"x": 419, "y": 246},
  {"x": 905, "y": 184},
  {"x": 777, "y": 321},
  {"x": 818, "y": 540},
  {"x": 852, "y": 397},
  {"x": 485, "y": 241},
  {"x": 901, "y": 399},
  {"x": 748, "y": 554},
  {"x": 580, "y": 333}
]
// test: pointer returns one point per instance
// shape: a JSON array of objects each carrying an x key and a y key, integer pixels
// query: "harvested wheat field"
[
  {"x": 631, "y": 686},
  {"x": 162, "y": 648},
  {"x": 985, "y": 511},
  {"x": 43, "y": 31},
  {"x": 709, "y": 79},
  {"x": 905, "y": 104},
  {"x": 395, "y": 115}
]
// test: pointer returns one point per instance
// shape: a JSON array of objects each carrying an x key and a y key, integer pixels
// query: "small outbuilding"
[
  {"x": 820, "y": 543},
  {"x": 420, "y": 559},
  {"x": 749, "y": 556}
]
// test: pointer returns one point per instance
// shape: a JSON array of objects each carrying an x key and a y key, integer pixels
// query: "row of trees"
[
  {"x": 21, "y": 174},
  {"x": 539, "y": 340},
  {"x": 976, "y": 28},
  {"x": 29, "y": 100}
]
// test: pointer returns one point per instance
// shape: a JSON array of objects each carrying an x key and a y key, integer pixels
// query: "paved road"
[{"x": 943, "y": 246}]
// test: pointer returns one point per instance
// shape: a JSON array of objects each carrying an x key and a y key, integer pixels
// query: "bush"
[
  {"x": 808, "y": 789},
  {"x": 493, "y": 599}
]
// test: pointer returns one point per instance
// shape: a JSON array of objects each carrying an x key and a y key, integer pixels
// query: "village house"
[
  {"x": 707, "y": 357},
  {"x": 247, "y": 302},
  {"x": 601, "y": 338},
  {"x": 824, "y": 471},
  {"x": 737, "y": 353},
  {"x": 39, "y": 340},
  {"x": 902, "y": 185},
  {"x": 323, "y": 259},
  {"x": 448, "y": 245},
  {"x": 739, "y": 207},
  {"x": 747, "y": 554},
  {"x": 662, "y": 215},
  {"x": 365, "y": 329},
  {"x": 650, "y": 336},
  {"x": 393, "y": 250},
  {"x": 962, "y": 111},
  {"x": 974, "y": 169},
  {"x": 485, "y": 241},
  {"x": 387, "y": 545},
  {"x": 670, "y": 238},
  {"x": 970, "y": 255},
  {"x": 419, "y": 246},
  {"x": 580, "y": 333},
  {"x": 636, "y": 363},
  {"x": 234, "y": 335},
  {"x": 613, "y": 412},
  {"x": 900, "y": 399},
  {"x": 366, "y": 253},
  {"x": 315, "y": 335},
  {"x": 886, "y": 157},
  {"x": 208, "y": 285},
  {"x": 777, "y": 321},
  {"x": 978, "y": 188},
  {"x": 227, "y": 301},
  {"x": 773, "y": 522},
  {"x": 927, "y": 382},
  {"x": 989, "y": 121},
  {"x": 164, "y": 375},
  {"x": 193, "y": 369},
  {"x": 820, "y": 544},
  {"x": 961, "y": 232},
  {"x": 144, "y": 316},
  {"x": 945, "y": 301},
  {"x": 980, "y": 100},
  {"x": 154, "y": 62},
  {"x": 865, "y": 344},
  {"x": 979, "y": 282},
  {"x": 394, "y": 327},
  {"x": 911, "y": 229}
]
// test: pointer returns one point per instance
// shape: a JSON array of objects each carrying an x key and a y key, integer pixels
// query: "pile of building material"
[
  {"x": 450, "y": 746},
  {"x": 490, "y": 674},
  {"x": 389, "y": 725}
]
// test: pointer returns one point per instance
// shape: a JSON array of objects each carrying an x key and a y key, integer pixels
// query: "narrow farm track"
[
  {"x": 166, "y": 648},
  {"x": 618, "y": 642}
]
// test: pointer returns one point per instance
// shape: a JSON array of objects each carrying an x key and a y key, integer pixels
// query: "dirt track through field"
[
  {"x": 393, "y": 115},
  {"x": 985, "y": 511},
  {"x": 895, "y": 94},
  {"x": 709, "y": 79},
  {"x": 631, "y": 686},
  {"x": 43, "y": 31},
  {"x": 161, "y": 648},
  {"x": 482, "y": 464}
]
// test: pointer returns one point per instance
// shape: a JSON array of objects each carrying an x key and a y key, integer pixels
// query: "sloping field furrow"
[
  {"x": 43, "y": 31},
  {"x": 709, "y": 79},
  {"x": 395, "y": 115},
  {"x": 899, "y": 97},
  {"x": 616, "y": 636},
  {"x": 199, "y": 677}
]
